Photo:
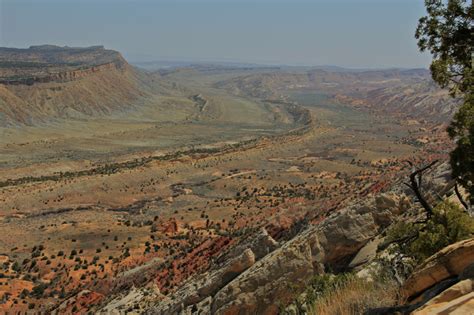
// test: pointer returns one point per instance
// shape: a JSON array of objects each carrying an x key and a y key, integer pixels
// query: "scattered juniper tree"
[{"x": 447, "y": 32}]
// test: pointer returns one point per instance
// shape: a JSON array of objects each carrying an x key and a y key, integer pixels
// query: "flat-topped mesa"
[
  {"x": 48, "y": 63},
  {"x": 55, "y": 47},
  {"x": 45, "y": 83}
]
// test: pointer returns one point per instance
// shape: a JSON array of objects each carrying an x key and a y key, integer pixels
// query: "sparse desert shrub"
[
  {"x": 449, "y": 224},
  {"x": 16, "y": 266},
  {"x": 38, "y": 290},
  {"x": 24, "y": 293},
  {"x": 126, "y": 253}
]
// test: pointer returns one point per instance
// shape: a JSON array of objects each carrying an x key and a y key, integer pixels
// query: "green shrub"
[
  {"x": 448, "y": 224},
  {"x": 320, "y": 285},
  {"x": 38, "y": 290}
]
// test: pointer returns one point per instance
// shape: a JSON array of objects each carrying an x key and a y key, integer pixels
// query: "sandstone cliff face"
[
  {"x": 66, "y": 75},
  {"x": 204, "y": 286},
  {"x": 274, "y": 280},
  {"x": 45, "y": 60},
  {"x": 262, "y": 287}
]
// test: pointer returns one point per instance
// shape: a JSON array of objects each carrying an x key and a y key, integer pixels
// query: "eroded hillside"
[
  {"x": 400, "y": 92},
  {"x": 45, "y": 83}
]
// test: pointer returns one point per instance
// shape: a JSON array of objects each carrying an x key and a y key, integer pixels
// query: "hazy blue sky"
[{"x": 351, "y": 33}]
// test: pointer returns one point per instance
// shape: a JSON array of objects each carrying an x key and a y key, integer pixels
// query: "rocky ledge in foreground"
[{"x": 267, "y": 275}]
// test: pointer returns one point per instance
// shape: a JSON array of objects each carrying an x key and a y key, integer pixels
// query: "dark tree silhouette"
[{"x": 447, "y": 32}]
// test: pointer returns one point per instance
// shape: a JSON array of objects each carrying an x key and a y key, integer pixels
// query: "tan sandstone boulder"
[
  {"x": 458, "y": 299},
  {"x": 448, "y": 262},
  {"x": 269, "y": 283}
]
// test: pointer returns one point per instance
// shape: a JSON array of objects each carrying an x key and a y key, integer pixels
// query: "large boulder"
[
  {"x": 366, "y": 253},
  {"x": 261, "y": 243},
  {"x": 449, "y": 262},
  {"x": 457, "y": 299},
  {"x": 268, "y": 284},
  {"x": 343, "y": 235}
]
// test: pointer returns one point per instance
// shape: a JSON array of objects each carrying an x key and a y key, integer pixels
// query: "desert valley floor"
[{"x": 196, "y": 159}]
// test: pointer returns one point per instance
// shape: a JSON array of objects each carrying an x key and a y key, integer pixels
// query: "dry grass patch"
[{"x": 352, "y": 295}]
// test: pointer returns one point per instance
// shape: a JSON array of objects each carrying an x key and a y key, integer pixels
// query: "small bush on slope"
[{"x": 449, "y": 224}]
